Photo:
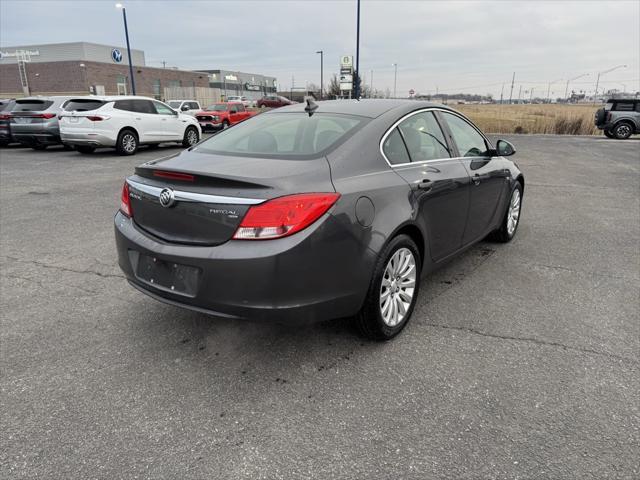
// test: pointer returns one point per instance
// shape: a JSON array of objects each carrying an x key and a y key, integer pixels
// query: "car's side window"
[
  {"x": 240, "y": 108},
  {"x": 394, "y": 148},
  {"x": 233, "y": 109},
  {"x": 163, "y": 109},
  {"x": 469, "y": 142},
  {"x": 423, "y": 137}
]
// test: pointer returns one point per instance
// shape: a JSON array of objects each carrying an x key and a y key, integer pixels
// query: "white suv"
[
  {"x": 124, "y": 122},
  {"x": 190, "y": 107}
]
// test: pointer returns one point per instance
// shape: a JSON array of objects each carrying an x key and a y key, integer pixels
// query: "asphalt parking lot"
[{"x": 521, "y": 360}]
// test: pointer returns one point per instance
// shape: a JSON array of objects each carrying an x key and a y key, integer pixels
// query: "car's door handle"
[
  {"x": 424, "y": 184},
  {"x": 164, "y": 119},
  {"x": 477, "y": 179},
  {"x": 138, "y": 118}
]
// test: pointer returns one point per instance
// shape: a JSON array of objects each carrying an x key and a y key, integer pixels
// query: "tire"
[
  {"x": 66, "y": 147},
  {"x": 86, "y": 149},
  {"x": 371, "y": 321},
  {"x": 39, "y": 147},
  {"x": 153, "y": 146},
  {"x": 225, "y": 125},
  {"x": 127, "y": 143},
  {"x": 507, "y": 229},
  {"x": 4, "y": 144},
  {"x": 190, "y": 137},
  {"x": 608, "y": 134},
  {"x": 600, "y": 116},
  {"x": 622, "y": 130}
]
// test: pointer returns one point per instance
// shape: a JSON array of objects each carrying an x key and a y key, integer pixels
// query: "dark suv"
[
  {"x": 5, "y": 130},
  {"x": 619, "y": 118}
]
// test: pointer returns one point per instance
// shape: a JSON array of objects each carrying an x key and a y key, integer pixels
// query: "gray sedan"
[{"x": 317, "y": 211}]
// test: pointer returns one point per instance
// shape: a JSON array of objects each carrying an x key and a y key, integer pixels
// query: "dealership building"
[{"x": 83, "y": 68}]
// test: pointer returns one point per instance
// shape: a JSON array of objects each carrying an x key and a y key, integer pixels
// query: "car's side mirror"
[
  {"x": 504, "y": 148},
  {"x": 185, "y": 108}
]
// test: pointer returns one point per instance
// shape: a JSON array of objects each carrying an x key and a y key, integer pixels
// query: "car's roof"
[
  {"x": 182, "y": 100},
  {"x": 366, "y": 108},
  {"x": 110, "y": 98}
]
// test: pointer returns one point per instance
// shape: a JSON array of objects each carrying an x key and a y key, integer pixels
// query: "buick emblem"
[
  {"x": 167, "y": 198},
  {"x": 116, "y": 55}
]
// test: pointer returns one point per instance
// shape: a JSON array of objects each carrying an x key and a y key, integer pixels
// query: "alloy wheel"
[
  {"x": 398, "y": 287},
  {"x": 514, "y": 212},
  {"x": 128, "y": 143},
  {"x": 192, "y": 137}
]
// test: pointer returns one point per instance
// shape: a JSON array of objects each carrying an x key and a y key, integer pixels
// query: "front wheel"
[
  {"x": 622, "y": 131},
  {"x": 393, "y": 290},
  {"x": 190, "y": 137},
  {"x": 511, "y": 219}
]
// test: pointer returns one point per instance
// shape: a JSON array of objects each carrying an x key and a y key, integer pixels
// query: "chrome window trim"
[
  {"x": 422, "y": 162},
  {"x": 182, "y": 196}
]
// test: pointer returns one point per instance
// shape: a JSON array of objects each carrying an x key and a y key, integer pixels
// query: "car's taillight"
[
  {"x": 5, "y": 117},
  {"x": 125, "y": 201},
  {"x": 45, "y": 115},
  {"x": 96, "y": 118},
  {"x": 284, "y": 216}
]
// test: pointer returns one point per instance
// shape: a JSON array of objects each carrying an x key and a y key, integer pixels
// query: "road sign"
[{"x": 412, "y": 92}]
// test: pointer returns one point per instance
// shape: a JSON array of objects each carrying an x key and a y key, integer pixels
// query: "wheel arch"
[
  {"x": 132, "y": 129},
  {"x": 414, "y": 233},
  {"x": 628, "y": 121}
]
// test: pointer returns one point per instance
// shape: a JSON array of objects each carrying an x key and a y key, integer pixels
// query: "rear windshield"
[
  {"x": 288, "y": 135},
  {"x": 32, "y": 105},
  {"x": 82, "y": 105}
]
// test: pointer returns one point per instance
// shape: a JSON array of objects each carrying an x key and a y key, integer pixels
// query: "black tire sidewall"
[
  {"x": 120, "y": 147},
  {"x": 370, "y": 318},
  {"x": 622, "y": 124}
]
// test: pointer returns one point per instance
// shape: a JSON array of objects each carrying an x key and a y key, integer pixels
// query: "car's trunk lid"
[{"x": 212, "y": 193}]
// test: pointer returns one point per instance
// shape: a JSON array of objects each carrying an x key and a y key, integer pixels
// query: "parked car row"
[
  {"x": 222, "y": 115},
  {"x": 89, "y": 122}
]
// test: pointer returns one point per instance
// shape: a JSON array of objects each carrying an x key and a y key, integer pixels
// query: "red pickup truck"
[{"x": 222, "y": 115}]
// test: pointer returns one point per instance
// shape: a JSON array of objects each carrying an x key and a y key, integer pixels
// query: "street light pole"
[
  {"x": 549, "y": 89},
  {"x": 357, "y": 92},
  {"x": 321, "y": 67},
  {"x": 595, "y": 95},
  {"x": 395, "y": 79},
  {"x": 126, "y": 33},
  {"x": 566, "y": 90},
  {"x": 371, "y": 85}
]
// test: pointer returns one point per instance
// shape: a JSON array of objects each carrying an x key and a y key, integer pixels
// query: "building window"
[
  {"x": 174, "y": 83},
  {"x": 121, "y": 84},
  {"x": 156, "y": 90}
]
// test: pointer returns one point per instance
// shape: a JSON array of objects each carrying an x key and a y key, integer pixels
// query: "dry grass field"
[{"x": 552, "y": 119}]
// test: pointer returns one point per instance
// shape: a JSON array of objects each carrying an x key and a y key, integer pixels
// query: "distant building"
[
  {"x": 82, "y": 68},
  {"x": 250, "y": 85}
]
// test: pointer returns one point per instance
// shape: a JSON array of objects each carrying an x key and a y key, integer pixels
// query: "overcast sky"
[{"x": 454, "y": 46}]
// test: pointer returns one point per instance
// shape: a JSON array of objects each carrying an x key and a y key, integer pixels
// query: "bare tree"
[{"x": 334, "y": 87}]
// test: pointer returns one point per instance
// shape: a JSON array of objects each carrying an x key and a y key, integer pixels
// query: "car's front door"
[
  {"x": 418, "y": 151},
  {"x": 173, "y": 125},
  {"x": 148, "y": 122},
  {"x": 489, "y": 176}
]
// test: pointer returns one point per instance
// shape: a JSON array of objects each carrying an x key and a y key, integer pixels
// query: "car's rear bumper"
[
  {"x": 92, "y": 139},
  {"x": 37, "y": 138},
  {"x": 317, "y": 274}
]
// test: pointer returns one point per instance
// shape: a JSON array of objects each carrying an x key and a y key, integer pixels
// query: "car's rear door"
[
  {"x": 488, "y": 173},
  {"x": 417, "y": 149},
  {"x": 172, "y": 125}
]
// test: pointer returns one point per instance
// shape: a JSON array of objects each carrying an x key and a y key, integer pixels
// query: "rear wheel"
[
  {"x": 39, "y": 147},
  {"x": 127, "y": 143},
  {"x": 608, "y": 134},
  {"x": 393, "y": 290},
  {"x": 190, "y": 137},
  {"x": 85, "y": 148},
  {"x": 622, "y": 131},
  {"x": 511, "y": 219}
]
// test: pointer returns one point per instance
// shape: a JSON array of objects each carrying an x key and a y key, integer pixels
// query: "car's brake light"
[
  {"x": 44, "y": 115},
  {"x": 284, "y": 216},
  {"x": 5, "y": 117},
  {"x": 125, "y": 201},
  {"x": 97, "y": 118},
  {"x": 187, "y": 177}
]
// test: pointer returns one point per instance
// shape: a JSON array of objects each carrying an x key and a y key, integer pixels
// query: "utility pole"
[
  {"x": 531, "y": 96},
  {"x": 126, "y": 33},
  {"x": 164, "y": 64},
  {"x": 357, "y": 89},
  {"x": 321, "y": 68},
  {"x": 371, "y": 84},
  {"x": 395, "y": 79},
  {"x": 595, "y": 95},
  {"x": 513, "y": 79},
  {"x": 501, "y": 93}
]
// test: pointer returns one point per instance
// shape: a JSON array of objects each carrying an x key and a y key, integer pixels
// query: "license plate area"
[{"x": 168, "y": 276}]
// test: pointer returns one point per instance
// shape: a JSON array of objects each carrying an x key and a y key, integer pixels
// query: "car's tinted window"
[
  {"x": 82, "y": 105},
  {"x": 288, "y": 135},
  {"x": 469, "y": 142},
  {"x": 394, "y": 148},
  {"x": 138, "y": 106},
  {"x": 162, "y": 109},
  {"x": 174, "y": 104},
  {"x": 7, "y": 106},
  {"x": 623, "y": 107},
  {"x": 31, "y": 105},
  {"x": 638, "y": 107},
  {"x": 194, "y": 106},
  {"x": 240, "y": 107},
  {"x": 423, "y": 137}
]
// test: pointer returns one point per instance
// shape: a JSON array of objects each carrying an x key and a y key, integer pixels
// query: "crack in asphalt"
[
  {"x": 64, "y": 269},
  {"x": 535, "y": 341}
]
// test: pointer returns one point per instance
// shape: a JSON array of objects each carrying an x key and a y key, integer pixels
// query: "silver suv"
[
  {"x": 619, "y": 118},
  {"x": 34, "y": 121}
]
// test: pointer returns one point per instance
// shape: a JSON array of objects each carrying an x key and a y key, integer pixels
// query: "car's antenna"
[{"x": 311, "y": 107}]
